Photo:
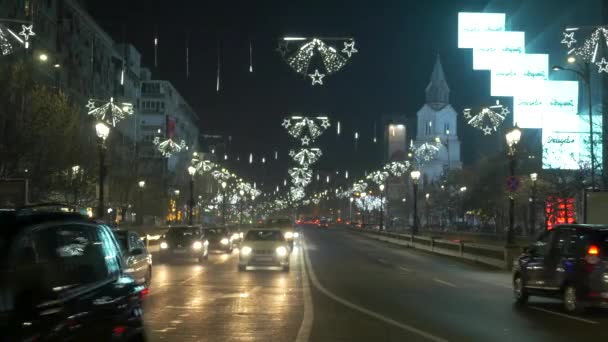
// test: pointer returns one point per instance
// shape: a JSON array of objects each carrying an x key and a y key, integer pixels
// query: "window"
[
  {"x": 541, "y": 246},
  {"x": 570, "y": 242},
  {"x": 133, "y": 241},
  {"x": 111, "y": 254}
]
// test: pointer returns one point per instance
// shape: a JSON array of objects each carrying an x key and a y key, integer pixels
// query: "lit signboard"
[
  {"x": 510, "y": 72},
  {"x": 535, "y": 101},
  {"x": 469, "y": 24},
  {"x": 566, "y": 141},
  {"x": 497, "y": 45}
]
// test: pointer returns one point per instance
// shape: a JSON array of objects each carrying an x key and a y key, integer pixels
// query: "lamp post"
[
  {"x": 103, "y": 131},
  {"x": 512, "y": 137},
  {"x": 427, "y": 204},
  {"x": 141, "y": 184},
  {"x": 176, "y": 193},
  {"x": 584, "y": 73},
  {"x": 415, "y": 178},
  {"x": 533, "y": 178},
  {"x": 350, "y": 211},
  {"x": 463, "y": 189},
  {"x": 363, "y": 195},
  {"x": 242, "y": 193},
  {"x": 381, "y": 206},
  {"x": 191, "y": 172},
  {"x": 224, "y": 184}
]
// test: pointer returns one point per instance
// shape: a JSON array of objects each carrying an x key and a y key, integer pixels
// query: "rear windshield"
[
  {"x": 264, "y": 235},
  {"x": 278, "y": 222},
  {"x": 183, "y": 232},
  {"x": 215, "y": 231}
]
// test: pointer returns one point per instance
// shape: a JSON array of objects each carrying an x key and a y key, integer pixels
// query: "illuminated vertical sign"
[
  {"x": 470, "y": 24},
  {"x": 493, "y": 45}
]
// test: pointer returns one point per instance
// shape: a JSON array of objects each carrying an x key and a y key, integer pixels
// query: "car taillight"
[
  {"x": 592, "y": 256},
  {"x": 144, "y": 293},
  {"x": 593, "y": 250},
  {"x": 119, "y": 330}
]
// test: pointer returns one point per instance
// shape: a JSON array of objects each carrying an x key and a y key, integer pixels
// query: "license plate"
[
  {"x": 264, "y": 258},
  {"x": 179, "y": 251}
]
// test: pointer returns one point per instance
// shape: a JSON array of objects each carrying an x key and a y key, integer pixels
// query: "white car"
[{"x": 265, "y": 247}]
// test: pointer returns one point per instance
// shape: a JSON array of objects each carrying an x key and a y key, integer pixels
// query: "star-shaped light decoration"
[
  {"x": 292, "y": 153},
  {"x": 286, "y": 123},
  {"x": 505, "y": 111},
  {"x": 90, "y": 105},
  {"x": 349, "y": 48},
  {"x": 26, "y": 33},
  {"x": 283, "y": 49},
  {"x": 602, "y": 65},
  {"x": 325, "y": 123},
  {"x": 305, "y": 141},
  {"x": 467, "y": 113},
  {"x": 487, "y": 130},
  {"x": 568, "y": 39},
  {"x": 317, "y": 78}
]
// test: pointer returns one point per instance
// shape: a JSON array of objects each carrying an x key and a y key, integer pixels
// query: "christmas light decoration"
[
  {"x": 487, "y": 119},
  {"x": 299, "y": 58},
  {"x": 222, "y": 175},
  {"x": 397, "y": 169},
  {"x": 5, "y": 46},
  {"x": 306, "y": 157},
  {"x": 595, "y": 44},
  {"x": 300, "y": 176},
  {"x": 306, "y": 127},
  {"x": 169, "y": 147},
  {"x": 26, "y": 33},
  {"x": 359, "y": 186},
  {"x": 109, "y": 112},
  {"x": 378, "y": 177},
  {"x": 425, "y": 152},
  {"x": 296, "y": 193},
  {"x": 202, "y": 166}
]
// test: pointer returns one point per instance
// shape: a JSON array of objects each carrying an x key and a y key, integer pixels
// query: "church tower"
[{"x": 437, "y": 126}]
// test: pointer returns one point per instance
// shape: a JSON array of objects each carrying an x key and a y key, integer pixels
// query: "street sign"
[{"x": 513, "y": 183}]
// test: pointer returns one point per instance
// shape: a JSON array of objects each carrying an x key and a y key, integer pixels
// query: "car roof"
[{"x": 593, "y": 227}]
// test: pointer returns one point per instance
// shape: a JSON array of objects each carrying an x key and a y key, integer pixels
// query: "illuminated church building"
[{"x": 437, "y": 123}]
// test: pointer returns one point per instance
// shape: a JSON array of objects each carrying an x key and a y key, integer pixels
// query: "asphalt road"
[{"x": 354, "y": 289}]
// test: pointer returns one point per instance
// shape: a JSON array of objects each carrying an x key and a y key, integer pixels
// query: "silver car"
[
  {"x": 136, "y": 259},
  {"x": 265, "y": 247}
]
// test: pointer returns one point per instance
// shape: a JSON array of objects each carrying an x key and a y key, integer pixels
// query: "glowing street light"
[{"x": 415, "y": 175}]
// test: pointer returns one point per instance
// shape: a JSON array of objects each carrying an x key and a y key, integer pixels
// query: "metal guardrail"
[{"x": 496, "y": 256}]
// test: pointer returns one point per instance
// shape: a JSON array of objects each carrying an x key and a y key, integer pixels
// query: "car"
[
  {"x": 568, "y": 262},
  {"x": 220, "y": 239},
  {"x": 136, "y": 258},
  {"x": 264, "y": 247},
  {"x": 323, "y": 223},
  {"x": 286, "y": 226},
  {"x": 184, "y": 242},
  {"x": 62, "y": 278}
]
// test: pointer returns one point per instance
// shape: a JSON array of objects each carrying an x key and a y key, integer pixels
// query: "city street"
[{"x": 359, "y": 290}]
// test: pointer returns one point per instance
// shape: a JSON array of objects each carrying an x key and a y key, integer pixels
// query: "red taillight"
[
  {"x": 593, "y": 250},
  {"x": 119, "y": 330},
  {"x": 144, "y": 292}
]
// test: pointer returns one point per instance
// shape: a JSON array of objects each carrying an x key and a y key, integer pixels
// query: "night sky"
[{"x": 397, "y": 41}]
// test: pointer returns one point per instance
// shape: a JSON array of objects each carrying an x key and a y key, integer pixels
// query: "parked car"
[
  {"x": 220, "y": 239},
  {"x": 264, "y": 247},
  {"x": 62, "y": 279},
  {"x": 137, "y": 260},
  {"x": 184, "y": 242},
  {"x": 568, "y": 262}
]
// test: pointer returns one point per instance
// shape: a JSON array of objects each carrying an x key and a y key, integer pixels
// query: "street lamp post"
[
  {"x": 241, "y": 200},
  {"x": 350, "y": 211},
  {"x": 533, "y": 178},
  {"x": 463, "y": 190},
  {"x": 585, "y": 76},
  {"x": 224, "y": 184},
  {"x": 191, "y": 172},
  {"x": 141, "y": 184},
  {"x": 512, "y": 137},
  {"x": 427, "y": 209},
  {"x": 381, "y": 206},
  {"x": 103, "y": 131},
  {"x": 415, "y": 178}
]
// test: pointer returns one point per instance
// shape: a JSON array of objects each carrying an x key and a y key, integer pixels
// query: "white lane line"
[
  {"x": 405, "y": 269},
  {"x": 363, "y": 310},
  {"x": 382, "y": 261},
  {"x": 447, "y": 283},
  {"x": 564, "y": 315},
  {"x": 307, "y": 320}
]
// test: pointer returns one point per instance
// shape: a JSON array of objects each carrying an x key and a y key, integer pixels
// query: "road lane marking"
[
  {"x": 317, "y": 284},
  {"x": 405, "y": 269},
  {"x": 564, "y": 315},
  {"x": 383, "y": 261},
  {"x": 447, "y": 283},
  {"x": 307, "y": 320}
]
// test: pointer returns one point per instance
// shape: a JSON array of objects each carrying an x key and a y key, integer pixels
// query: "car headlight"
[
  {"x": 197, "y": 245},
  {"x": 606, "y": 277},
  {"x": 234, "y": 236},
  {"x": 289, "y": 235},
  {"x": 241, "y": 235},
  {"x": 246, "y": 250},
  {"x": 164, "y": 245},
  {"x": 224, "y": 241},
  {"x": 296, "y": 235},
  {"x": 281, "y": 251}
]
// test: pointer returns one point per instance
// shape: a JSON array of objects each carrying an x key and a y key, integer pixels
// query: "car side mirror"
[{"x": 137, "y": 251}]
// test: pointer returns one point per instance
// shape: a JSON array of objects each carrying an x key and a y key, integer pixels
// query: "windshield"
[
  {"x": 308, "y": 170},
  {"x": 264, "y": 235}
]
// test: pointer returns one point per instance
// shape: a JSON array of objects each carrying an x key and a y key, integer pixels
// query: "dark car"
[
  {"x": 137, "y": 260},
  {"x": 184, "y": 242},
  {"x": 62, "y": 279},
  {"x": 323, "y": 223},
  {"x": 220, "y": 239},
  {"x": 568, "y": 262}
]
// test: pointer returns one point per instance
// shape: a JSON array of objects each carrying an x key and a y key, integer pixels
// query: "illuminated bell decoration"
[
  {"x": 590, "y": 49},
  {"x": 378, "y": 177},
  {"x": 426, "y": 152},
  {"x": 397, "y": 169},
  {"x": 306, "y": 157},
  {"x": 109, "y": 112},
  {"x": 488, "y": 119},
  {"x": 359, "y": 186},
  {"x": 221, "y": 175},
  {"x": 306, "y": 127},
  {"x": 169, "y": 147}
]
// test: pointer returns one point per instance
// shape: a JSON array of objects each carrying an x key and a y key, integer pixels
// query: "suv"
[
  {"x": 62, "y": 279},
  {"x": 570, "y": 262}
]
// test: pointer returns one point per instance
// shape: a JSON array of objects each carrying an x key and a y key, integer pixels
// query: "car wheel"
[
  {"x": 201, "y": 259},
  {"x": 242, "y": 268},
  {"x": 571, "y": 302},
  {"x": 286, "y": 268},
  {"x": 148, "y": 277},
  {"x": 519, "y": 291}
]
